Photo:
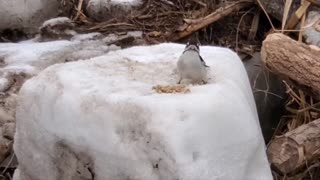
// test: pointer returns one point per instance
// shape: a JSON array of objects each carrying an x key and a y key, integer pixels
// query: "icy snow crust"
[
  {"x": 106, "y": 108},
  {"x": 25, "y": 57}
]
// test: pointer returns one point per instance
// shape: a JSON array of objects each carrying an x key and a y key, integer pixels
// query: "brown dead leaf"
[{"x": 154, "y": 34}]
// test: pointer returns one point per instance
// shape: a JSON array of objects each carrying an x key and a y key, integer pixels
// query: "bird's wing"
[{"x": 203, "y": 62}]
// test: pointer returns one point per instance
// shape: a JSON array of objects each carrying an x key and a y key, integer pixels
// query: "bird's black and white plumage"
[{"x": 191, "y": 65}]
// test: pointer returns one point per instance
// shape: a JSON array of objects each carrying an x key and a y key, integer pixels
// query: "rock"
[
  {"x": 269, "y": 93},
  {"x": 103, "y": 117},
  {"x": 5, "y": 148},
  {"x": 275, "y": 8},
  {"x": 9, "y": 162},
  {"x": 4, "y": 84},
  {"x": 57, "y": 28},
  {"x": 312, "y": 34},
  {"x": 26, "y": 15},
  {"x": 102, "y": 10},
  {"x": 129, "y": 39},
  {"x": 9, "y": 130}
]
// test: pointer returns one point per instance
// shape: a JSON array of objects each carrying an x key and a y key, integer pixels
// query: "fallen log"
[
  {"x": 292, "y": 59},
  {"x": 296, "y": 148}
]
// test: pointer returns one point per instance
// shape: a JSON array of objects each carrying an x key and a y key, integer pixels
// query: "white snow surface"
[
  {"x": 106, "y": 109},
  {"x": 25, "y": 56}
]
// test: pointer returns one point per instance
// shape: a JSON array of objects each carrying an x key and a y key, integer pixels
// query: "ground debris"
[{"x": 160, "y": 20}]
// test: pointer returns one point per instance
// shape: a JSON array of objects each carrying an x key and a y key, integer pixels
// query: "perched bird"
[{"x": 191, "y": 66}]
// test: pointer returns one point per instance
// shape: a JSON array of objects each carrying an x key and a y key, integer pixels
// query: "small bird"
[{"x": 191, "y": 65}]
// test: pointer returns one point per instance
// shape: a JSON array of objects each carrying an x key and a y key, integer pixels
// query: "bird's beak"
[{"x": 194, "y": 48}]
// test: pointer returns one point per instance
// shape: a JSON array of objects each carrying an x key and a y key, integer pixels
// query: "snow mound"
[{"x": 102, "y": 117}]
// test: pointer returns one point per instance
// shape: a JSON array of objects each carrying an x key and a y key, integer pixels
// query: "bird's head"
[{"x": 192, "y": 46}]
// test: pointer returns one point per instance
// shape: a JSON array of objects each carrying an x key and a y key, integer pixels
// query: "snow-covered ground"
[
  {"x": 102, "y": 117},
  {"x": 30, "y": 57}
]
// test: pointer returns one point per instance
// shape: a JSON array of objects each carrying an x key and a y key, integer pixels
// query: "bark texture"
[
  {"x": 292, "y": 59},
  {"x": 296, "y": 148}
]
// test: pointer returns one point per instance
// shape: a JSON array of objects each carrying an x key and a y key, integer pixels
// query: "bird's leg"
[{"x": 180, "y": 80}]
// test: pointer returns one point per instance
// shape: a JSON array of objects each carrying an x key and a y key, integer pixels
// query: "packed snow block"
[
  {"x": 26, "y": 15},
  {"x": 101, "y": 119}
]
